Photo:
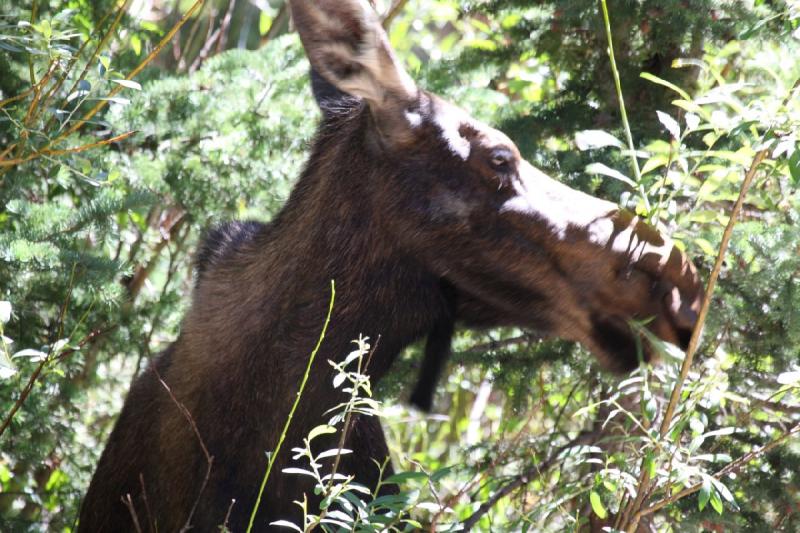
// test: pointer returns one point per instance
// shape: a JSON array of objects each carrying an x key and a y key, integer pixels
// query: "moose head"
[{"x": 514, "y": 246}]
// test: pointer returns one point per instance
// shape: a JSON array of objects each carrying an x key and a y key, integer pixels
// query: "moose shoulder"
[{"x": 425, "y": 218}]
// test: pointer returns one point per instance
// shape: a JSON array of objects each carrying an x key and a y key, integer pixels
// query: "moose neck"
[{"x": 329, "y": 230}]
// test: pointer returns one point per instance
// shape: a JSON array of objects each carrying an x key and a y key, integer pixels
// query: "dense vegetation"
[{"x": 127, "y": 128}]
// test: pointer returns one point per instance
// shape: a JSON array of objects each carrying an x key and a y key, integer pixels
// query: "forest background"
[{"x": 129, "y": 127}]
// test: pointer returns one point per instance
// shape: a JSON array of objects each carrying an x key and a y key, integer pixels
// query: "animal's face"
[{"x": 519, "y": 247}]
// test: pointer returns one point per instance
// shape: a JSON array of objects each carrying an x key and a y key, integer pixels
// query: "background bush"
[{"x": 102, "y": 211}]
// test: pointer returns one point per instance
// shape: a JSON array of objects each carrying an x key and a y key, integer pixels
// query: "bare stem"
[
  {"x": 629, "y": 137},
  {"x": 277, "y": 449}
]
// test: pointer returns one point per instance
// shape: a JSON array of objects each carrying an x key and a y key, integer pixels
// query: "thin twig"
[
  {"x": 395, "y": 10},
  {"x": 623, "y": 114},
  {"x": 13, "y": 99},
  {"x": 224, "y": 27},
  {"x": 274, "y": 454},
  {"x": 32, "y": 380},
  {"x": 209, "y": 458},
  {"x": 129, "y": 504},
  {"x": 228, "y": 515},
  {"x": 524, "y": 478},
  {"x": 729, "y": 468},
  {"x": 150, "y": 522},
  {"x": 632, "y": 511},
  {"x": 64, "y": 151},
  {"x": 132, "y": 74}
]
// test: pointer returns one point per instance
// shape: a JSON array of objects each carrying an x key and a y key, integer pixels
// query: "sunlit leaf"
[
  {"x": 597, "y": 505},
  {"x": 670, "y": 124},
  {"x": 593, "y": 139},
  {"x": 704, "y": 494},
  {"x": 130, "y": 84},
  {"x": 600, "y": 168}
]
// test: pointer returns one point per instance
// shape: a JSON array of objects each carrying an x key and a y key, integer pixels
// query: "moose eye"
[{"x": 501, "y": 159}]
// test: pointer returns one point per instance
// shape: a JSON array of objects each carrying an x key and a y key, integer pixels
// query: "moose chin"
[{"x": 427, "y": 220}]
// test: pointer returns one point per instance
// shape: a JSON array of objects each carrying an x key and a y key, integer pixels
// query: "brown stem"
[
  {"x": 225, "y": 26},
  {"x": 277, "y": 25},
  {"x": 129, "y": 504},
  {"x": 143, "y": 272},
  {"x": 209, "y": 458},
  {"x": 731, "y": 467},
  {"x": 632, "y": 512},
  {"x": 51, "y": 152},
  {"x": 396, "y": 8},
  {"x": 524, "y": 478},
  {"x": 132, "y": 74},
  {"x": 32, "y": 380}
]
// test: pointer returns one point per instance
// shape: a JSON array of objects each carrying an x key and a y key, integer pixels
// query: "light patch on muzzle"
[{"x": 559, "y": 206}]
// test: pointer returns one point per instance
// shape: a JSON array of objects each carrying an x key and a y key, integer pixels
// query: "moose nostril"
[
  {"x": 681, "y": 310},
  {"x": 684, "y": 336}
]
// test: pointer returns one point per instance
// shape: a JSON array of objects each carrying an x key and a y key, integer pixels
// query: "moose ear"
[{"x": 346, "y": 44}]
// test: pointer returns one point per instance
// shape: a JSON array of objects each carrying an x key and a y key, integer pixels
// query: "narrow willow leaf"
[
  {"x": 593, "y": 139},
  {"x": 665, "y": 83},
  {"x": 600, "y": 168},
  {"x": 286, "y": 523},
  {"x": 323, "y": 429},
  {"x": 597, "y": 505},
  {"x": 130, "y": 84},
  {"x": 705, "y": 494},
  {"x": 716, "y": 502},
  {"x": 670, "y": 123}
]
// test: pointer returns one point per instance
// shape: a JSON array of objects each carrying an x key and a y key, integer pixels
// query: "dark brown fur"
[{"x": 416, "y": 238}]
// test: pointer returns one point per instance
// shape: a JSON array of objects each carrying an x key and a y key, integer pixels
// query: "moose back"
[{"x": 425, "y": 218}]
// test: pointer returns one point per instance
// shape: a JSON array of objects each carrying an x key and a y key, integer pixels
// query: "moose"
[{"x": 426, "y": 219}]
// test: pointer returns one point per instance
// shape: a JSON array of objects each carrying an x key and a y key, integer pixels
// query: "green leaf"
[
  {"x": 130, "y": 84},
  {"x": 794, "y": 166},
  {"x": 35, "y": 355},
  {"x": 650, "y": 464},
  {"x": 441, "y": 473},
  {"x": 136, "y": 44},
  {"x": 723, "y": 491},
  {"x": 705, "y": 493},
  {"x": 593, "y": 139},
  {"x": 600, "y": 168},
  {"x": 333, "y": 453},
  {"x": 299, "y": 471},
  {"x": 264, "y": 23},
  {"x": 785, "y": 378},
  {"x": 323, "y": 429},
  {"x": 658, "y": 160},
  {"x": 597, "y": 505},
  {"x": 338, "y": 379},
  {"x": 649, "y": 406},
  {"x": 286, "y": 523},
  {"x": 670, "y": 124},
  {"x": 7, "y": 367},
  {"x": 704, "y": 245},
  {"x": 402, "y": 477},
  {"x": 716, "y": 502},
  {"x": 665, "y": 83}
]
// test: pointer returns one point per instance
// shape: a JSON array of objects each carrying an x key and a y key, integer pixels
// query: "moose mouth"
[
  {"x": 621, "y": 346},
  {"x": 623, "y": 343}
]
